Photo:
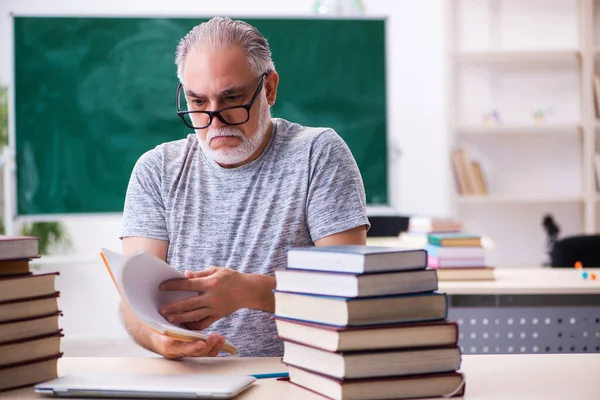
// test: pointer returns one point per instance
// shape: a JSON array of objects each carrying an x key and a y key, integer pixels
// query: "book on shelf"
[
  {"x": 343, "y": 311},
  {"x": 466, "y": 274},
  {"x": 480, "y": 183},
  {"x": 355, "y": 285},
  {"x": 454, "y": 239},
  {"x": 15, "y": 310},
  {"x": 374, "y": 363},
  {"x": 27, "y": 373},
  {"x": 370, "y": 337},
  {"x": 447, "y": 384},
  {"x": 461, "y": 168},
  {"x": 29, "y": 349},
  {"x": 29, "y": 327},
  {"x": 137, "y": 279},
  {"x": 18, "y": 247},
  {"x": 26, "y": 286},
  {"x": 356, "y": 258},
  {"x": 469, "y": 174}
]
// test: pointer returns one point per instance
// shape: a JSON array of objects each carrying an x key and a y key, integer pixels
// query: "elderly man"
[{"x": 225, "y": 203}]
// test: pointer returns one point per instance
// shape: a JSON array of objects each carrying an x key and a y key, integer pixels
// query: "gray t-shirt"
[{"x": 304, "y": 186}]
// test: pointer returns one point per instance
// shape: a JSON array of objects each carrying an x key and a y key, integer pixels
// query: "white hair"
[{"x": 220, "y": 33}]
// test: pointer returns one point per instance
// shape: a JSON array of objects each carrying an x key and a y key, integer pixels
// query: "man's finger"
[
  {"x": 211, "y": 343},
  {"x": 194, "y": 349},
  {"x": 187, "y": 304},
  {"x": 200, "y": 274},
  {"x": 189, "y": 316},
  {"x": 187, "y": 285},
  {"x": 216, "y": 348}
]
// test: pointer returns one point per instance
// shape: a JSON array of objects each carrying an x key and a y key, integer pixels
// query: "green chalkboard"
[{"x": 93, "y": 94}]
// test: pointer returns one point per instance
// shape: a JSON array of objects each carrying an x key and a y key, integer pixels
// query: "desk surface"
[
  {"x": 515, "y": 377},
  {"x": 528, "y": 281}
]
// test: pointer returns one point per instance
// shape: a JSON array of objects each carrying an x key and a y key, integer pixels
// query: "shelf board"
[
  {"x": 537, "y": 129},
  {"x": 516, "y": 199},
  {"x": 518, "y": 56}
]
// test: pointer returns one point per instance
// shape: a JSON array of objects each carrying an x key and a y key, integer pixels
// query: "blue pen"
[{"x": 271, "y": 375}]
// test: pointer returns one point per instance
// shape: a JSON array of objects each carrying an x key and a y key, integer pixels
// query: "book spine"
[{"x": 434, "y": 241}]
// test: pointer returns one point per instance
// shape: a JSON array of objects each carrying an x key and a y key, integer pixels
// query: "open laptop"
[{"x": 147, "y": 386}]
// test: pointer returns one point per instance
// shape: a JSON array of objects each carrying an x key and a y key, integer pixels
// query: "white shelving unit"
[
  {"x": 532, "y": 63},
  {"x": 518, "y": 56},
  {"x": 518, "y": 130},
  {"x": 519, "y": 199}
]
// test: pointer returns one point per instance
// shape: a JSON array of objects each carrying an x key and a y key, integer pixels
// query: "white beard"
[{"x": 248, "y": 145}]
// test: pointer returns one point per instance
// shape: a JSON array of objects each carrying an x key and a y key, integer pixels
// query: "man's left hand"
[{"x": 220, "y": 292}]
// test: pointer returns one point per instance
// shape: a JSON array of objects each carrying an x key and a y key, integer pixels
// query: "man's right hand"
[{"x": 175, "y": 349}]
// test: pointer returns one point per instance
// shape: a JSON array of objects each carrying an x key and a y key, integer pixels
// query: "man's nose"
[{"x": 217, "y": 123}]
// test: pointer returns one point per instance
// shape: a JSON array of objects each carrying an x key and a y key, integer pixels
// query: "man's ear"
[{"x": 271, "y": 82}]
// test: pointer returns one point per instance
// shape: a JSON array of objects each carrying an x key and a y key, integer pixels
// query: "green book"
[{"x": 454, "y": 239}]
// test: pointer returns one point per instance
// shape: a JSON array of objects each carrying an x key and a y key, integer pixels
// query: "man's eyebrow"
[
  {"x": 225, "y": 92},
  {"x": 191, "y": 93},
  {"x": 234, "y": 89}
]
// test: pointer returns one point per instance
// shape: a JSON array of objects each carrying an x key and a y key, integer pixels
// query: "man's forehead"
[
  {"x": 212, "y": 72},
  {"x": 215, "y": 64}
]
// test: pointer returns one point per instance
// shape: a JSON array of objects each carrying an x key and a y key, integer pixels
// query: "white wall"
[{"x": 419, "y": 178}]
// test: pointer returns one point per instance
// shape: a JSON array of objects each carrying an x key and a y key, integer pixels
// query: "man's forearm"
[
  {"x": 140, "y": 333},
  {"x": 261, "y": 288}
]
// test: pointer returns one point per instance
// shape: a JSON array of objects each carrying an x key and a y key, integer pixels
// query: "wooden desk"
[{"x": 488, "y": 377}]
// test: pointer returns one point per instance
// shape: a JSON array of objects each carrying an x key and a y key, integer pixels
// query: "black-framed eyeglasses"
[{"x": 234, "y": 115}]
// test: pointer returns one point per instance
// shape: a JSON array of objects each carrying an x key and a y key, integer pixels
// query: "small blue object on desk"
[{"x": 271, "y": 375}]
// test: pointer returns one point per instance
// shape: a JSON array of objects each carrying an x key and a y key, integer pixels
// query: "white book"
[
  {"x": 137, "y": 279},
  {"x": 455, "y": 252},
  {"x": 356, "y": 285},
  {"x": 356, "y": 259}
]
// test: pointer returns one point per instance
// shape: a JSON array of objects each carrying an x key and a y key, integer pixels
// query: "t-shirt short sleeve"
[
  {"x": 144, "y": 210},
  {"x": 336, "y": 196}
]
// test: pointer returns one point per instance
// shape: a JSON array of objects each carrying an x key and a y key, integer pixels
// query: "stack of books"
[
  {"x": 419, "y": 227},
  {"x": 458, "y": 256},
  {"x": 427, "y": 225},
  {"x": 29, "y": 330},
  {"x": 365, "y": 322}
]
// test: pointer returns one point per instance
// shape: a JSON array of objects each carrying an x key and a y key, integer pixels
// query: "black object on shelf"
[
  {"x": 387, "y": 225},
  {"x": 552, "y": 231},
  {"x": 569, "y": 250}
]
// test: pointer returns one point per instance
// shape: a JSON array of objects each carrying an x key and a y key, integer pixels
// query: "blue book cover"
[{"x": 309, "y": 316}]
